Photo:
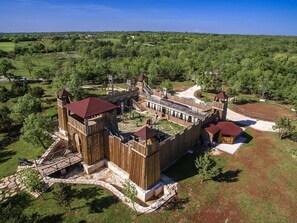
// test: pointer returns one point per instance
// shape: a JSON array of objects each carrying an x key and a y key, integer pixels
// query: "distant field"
[
  {"x": 40, "y": 61},
  {"x": 7, "y": 46}
]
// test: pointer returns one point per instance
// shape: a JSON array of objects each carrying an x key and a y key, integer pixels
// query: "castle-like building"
[{"x": 91, "y": 128}]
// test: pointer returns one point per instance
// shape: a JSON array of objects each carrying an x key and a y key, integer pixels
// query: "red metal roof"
[
  {"x": 229, "y": 128},
  {"x": 90, "y": 106},
  {"x": 222, "y": 95},
  {"x": 213, "y": 129},
  {"x": 145, "y": 133}
]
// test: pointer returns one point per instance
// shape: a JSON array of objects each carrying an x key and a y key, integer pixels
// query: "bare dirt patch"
[
  {"x": 262, "y": 111},
  {"x": 218, "y": 212}
]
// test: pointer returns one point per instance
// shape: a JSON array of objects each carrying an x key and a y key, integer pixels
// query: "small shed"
[{"x": 223, "y": 132}]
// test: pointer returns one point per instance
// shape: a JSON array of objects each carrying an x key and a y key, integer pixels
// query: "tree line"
[{"x": 263, "y": 65}]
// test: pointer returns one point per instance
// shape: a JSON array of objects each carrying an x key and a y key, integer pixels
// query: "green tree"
[
  {"x": 123, "y": 39},
  {"x": 29, "y": 65},
  {"x": 74, "y": 86},
  {"x": 63, "y": 194},
  {"x": 34, "y": 130},
  {"x": 130, "y": 192},
  {"x": 7, "y": 69},
  {"x": 285, "y": 127},
  {"x": 5, "y": 120},
  {"x": 12, "y": 212},
  {"x": 206, "y": 167},
  {"x": 45, "y": 73},
  {"x": 168, "y": 85},
  {"x": 32, "y": 180},
  {"x": 25, "y": 106},
  {"x": 4, "y": 94},
  {"x": 19, "y": 88},
  {"x": 36, "y": 92}
]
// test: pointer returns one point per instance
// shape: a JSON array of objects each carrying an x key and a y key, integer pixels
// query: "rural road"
[{"x": 231, "y": 115}]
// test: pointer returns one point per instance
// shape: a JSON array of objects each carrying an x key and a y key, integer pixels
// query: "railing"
[
  {"x": 76, "y": 124},
  {"x": 60, "y": 164},
  {"x": 147, "y": 89},
  {"x": 52, "y": 156},
  {"x": 137, "y": 106}
]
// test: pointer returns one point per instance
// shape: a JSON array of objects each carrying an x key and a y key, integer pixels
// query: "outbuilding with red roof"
[{"x": 223, "y": 132}]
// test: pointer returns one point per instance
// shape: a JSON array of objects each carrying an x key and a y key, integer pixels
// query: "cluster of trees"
[
  {"x": 25, "y": 112},
  {"x": 251, "y": 64},
  {"x": 263, "y": 65}
]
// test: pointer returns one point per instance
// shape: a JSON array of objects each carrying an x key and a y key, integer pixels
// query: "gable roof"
[
  {"x": 63, "y": 93},
  {"x": 229, "y": 128},
  {"x": 222, "y": 95},
  {"x": 145, "y": 133},
  {"x": 225, "y": 128},
  {"x": 213, "y": 129},
  {"x": 90, "y": 106}
]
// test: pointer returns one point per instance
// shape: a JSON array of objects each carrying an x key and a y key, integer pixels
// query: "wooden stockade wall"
[
  {"x": 91, "y": 146},
  {"x": 143, "y": 167},
  {"x": 176, "y": 146}
]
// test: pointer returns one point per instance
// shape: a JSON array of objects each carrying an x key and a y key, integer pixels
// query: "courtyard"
[{"x": 127, "y": 125}]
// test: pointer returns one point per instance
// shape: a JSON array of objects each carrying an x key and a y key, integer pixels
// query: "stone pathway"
[
  {"x": 10, "y": 186},
  {"x": 170, "y": 190}
]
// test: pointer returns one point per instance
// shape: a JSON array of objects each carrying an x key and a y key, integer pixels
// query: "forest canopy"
[{"x": 263, "y": 65}]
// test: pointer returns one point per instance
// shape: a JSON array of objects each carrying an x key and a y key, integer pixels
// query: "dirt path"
[
  {"x": 189, "y": 93},
  {"x": 231, "y": 115}
]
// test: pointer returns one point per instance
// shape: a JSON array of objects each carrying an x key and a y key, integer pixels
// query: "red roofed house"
[{"x": 224, "y": 132}]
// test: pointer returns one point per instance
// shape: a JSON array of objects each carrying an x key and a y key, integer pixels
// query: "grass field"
[
  {"x": 11, "y": 148},
  {"x": 39, "y": 60},
  {"x": 7, "y": 46},
  {"x": 258, "y": 184}
]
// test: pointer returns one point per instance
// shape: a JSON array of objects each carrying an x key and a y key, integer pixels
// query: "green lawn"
[
  {"x": 7, "y": 46},
  {"x": 10, "y": 150},
  {"x": 258, "y": 184},
  {"x": 39, "y": 60},
  {"x": 206, "y": 96}
]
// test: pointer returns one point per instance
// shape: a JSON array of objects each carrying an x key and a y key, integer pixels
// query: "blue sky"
[{"x": 212, "y": 16}]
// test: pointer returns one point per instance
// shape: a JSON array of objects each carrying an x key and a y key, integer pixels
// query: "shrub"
[
  {"x": 19, "y": 88},
  {"x": 4, "y": 94},
  {"x": 36, "y": 92}
]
